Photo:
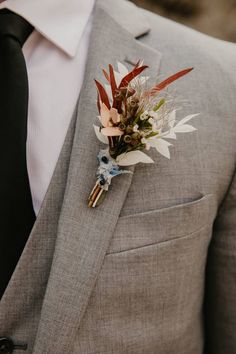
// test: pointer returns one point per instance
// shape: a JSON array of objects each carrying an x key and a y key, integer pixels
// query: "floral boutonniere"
[{"x": 133, "y": 118}]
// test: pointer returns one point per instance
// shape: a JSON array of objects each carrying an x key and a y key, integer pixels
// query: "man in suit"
[{"x": 152, "y": 270}]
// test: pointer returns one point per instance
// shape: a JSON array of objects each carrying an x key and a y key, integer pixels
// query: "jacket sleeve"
[{"x": 220, "y": 296}]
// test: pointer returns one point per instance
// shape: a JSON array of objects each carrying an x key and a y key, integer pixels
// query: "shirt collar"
[{"x": 60, "y": 21}]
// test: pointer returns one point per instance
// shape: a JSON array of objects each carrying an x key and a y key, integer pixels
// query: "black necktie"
[{"x": 16, "y": 210}]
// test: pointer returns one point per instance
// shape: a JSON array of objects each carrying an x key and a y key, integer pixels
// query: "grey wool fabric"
[{"x": 153, "y": 269}]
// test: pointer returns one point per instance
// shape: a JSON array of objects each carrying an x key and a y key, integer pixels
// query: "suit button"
[{"x": 6, "y": 345}]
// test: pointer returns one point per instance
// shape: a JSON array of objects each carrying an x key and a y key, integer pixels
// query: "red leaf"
[
  {"x": 106, "y": 75},
  {"x": 130, "y": 76},
  {"x": 168, "y": 81},
  {"x": 113, "y": 84},
  {"x": 98, "y": 103},
  {"x": 103, "y": 94}
]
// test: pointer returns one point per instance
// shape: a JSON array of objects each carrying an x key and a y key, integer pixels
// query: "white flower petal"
[
  {"x": 170, "y": 135},
  {"x": 186, "y": 119},
  {"x": 161, "y": 145},
  {"x": 100, "y": 136},
  {"x": 132, "y": 158},
  {"x": 151, "y": 121},
  {"x": 172, "y": 118},
  {"x": 122, "y": 69},
  {"x": 154, "y": 115},
  {"x": 144, "y": 79},
  {"x": 186, "y": 128}
]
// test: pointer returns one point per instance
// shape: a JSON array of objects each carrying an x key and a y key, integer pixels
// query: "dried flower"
[{"x": 132, "y": 119}]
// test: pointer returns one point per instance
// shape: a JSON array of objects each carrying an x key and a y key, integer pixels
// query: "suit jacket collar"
[{"x": 127, "y": 15}]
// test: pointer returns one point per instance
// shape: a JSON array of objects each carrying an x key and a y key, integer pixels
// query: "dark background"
[{"x": 214, "y": 17}]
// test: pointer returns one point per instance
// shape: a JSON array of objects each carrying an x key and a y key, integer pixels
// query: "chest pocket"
[{"x": 163, "y": 225}]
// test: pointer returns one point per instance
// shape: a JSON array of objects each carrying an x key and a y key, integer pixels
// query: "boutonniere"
[{"x": 133, "y": 118}]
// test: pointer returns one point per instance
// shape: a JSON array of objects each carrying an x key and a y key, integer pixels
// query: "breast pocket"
[
  {"x": 151, "y": 286},
  {"x": 157, "y": 226}
]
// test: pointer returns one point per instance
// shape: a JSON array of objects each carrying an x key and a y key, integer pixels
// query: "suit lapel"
[{"x": 84, "y": 234}]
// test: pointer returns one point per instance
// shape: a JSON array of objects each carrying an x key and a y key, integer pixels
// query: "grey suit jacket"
[{"x": 153, "y": 269}]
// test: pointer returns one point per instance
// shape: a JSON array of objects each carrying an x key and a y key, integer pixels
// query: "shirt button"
[{"x": 6, "y": 345}]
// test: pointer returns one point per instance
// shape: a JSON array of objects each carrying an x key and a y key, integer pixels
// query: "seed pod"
[
  {"x": 129, "y": 129},
  {"x": 136, "y": 136},
  {"x": 122, "y": 126},
  {"x": 133, "y": 102},
  {"x": 127, "y": 139}
]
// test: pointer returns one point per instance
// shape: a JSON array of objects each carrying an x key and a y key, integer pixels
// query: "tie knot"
[{"x": 13, "y": 25}]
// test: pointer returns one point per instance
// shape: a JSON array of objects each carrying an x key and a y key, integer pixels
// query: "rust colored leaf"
[
  {"x": 113, "y": 84},
  {"x": 98, "y": 103},
  {"x": 130, "y": 76},
  {"x": 103, "y": 94},
  {"x": 106, "y": 75},
  {"x": 162, "y": 85}
]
